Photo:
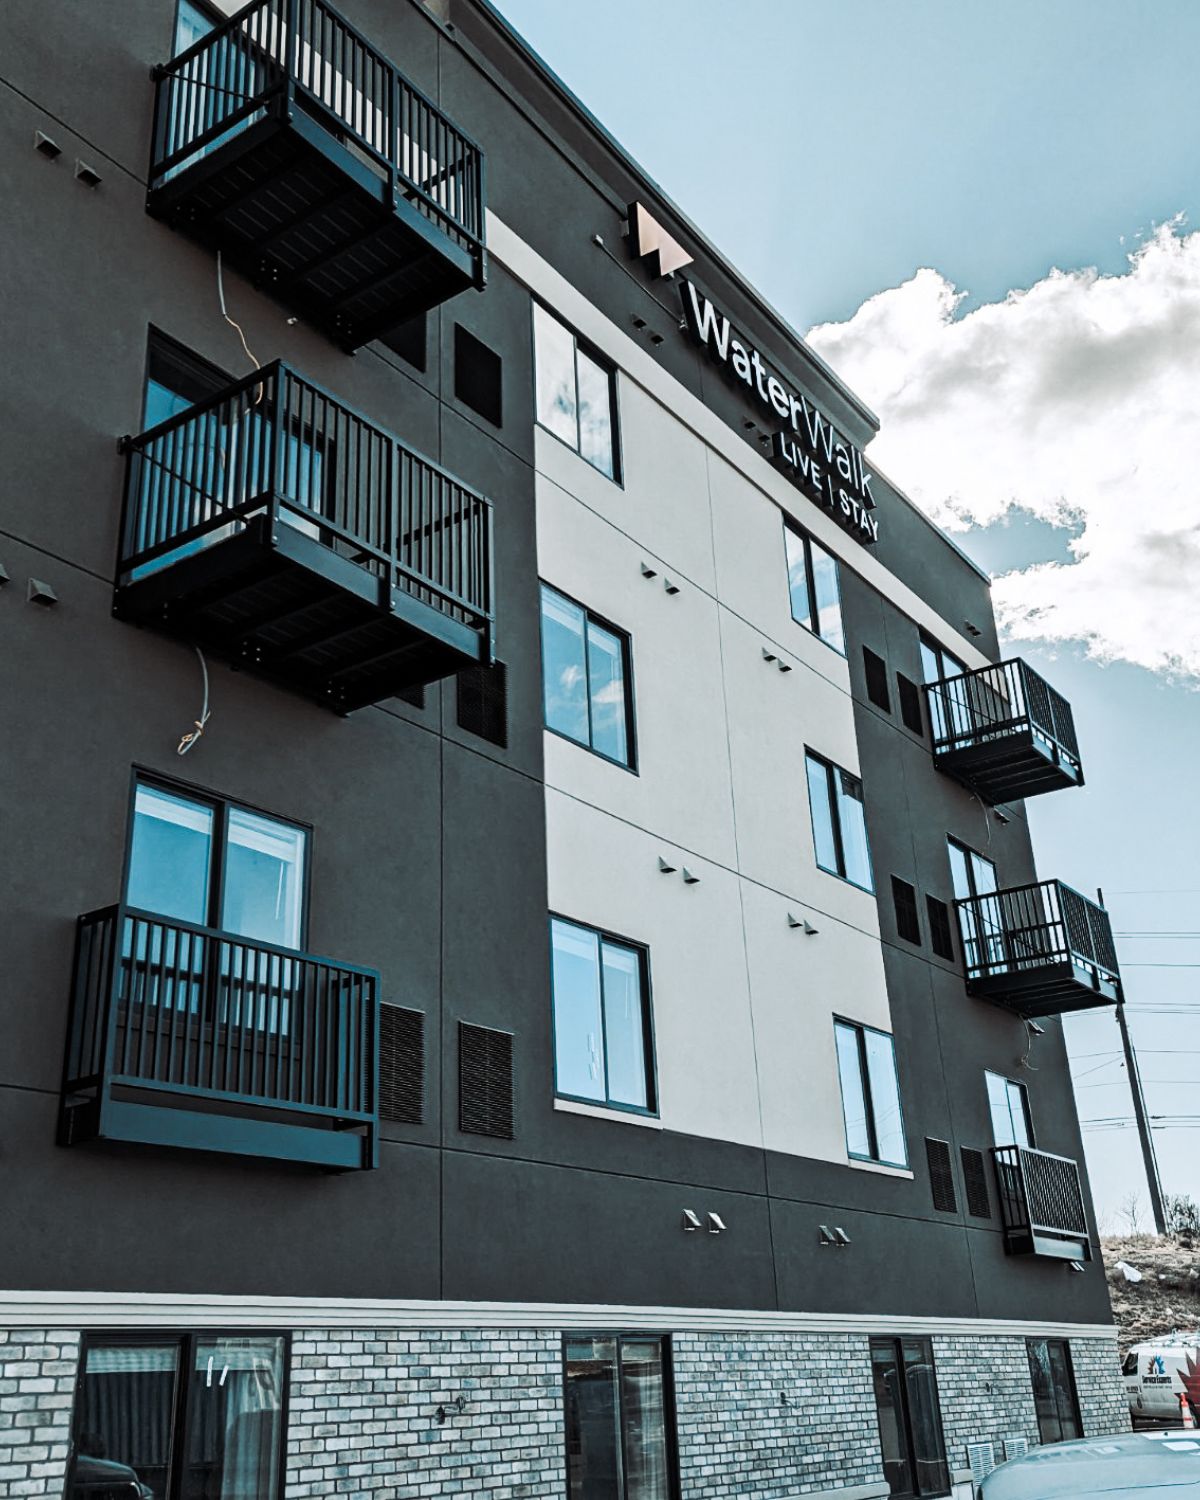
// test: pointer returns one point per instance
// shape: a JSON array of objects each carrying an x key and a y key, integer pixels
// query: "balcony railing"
[
  {"x": 1039, "y": 949},
  {"x": 1041, "y": 1204},
  {"x": 278, "y": 528},
  {"x": 1003, "y": 731},
  {"x": 188, "y": 1036},
  {"x": 284, "y": 138}
]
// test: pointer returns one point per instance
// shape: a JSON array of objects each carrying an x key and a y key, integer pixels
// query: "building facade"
[{"x": 524, "y": 971}]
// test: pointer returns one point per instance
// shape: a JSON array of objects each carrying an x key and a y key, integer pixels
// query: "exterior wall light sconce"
[
  {"x": 41, "y": 593},
  {"x": 716, "y": 1224},
  {"x": 1075, "y": 1266},
  {"x": 87, "y": 174},
  {"x": 689, "y": 878},
  {"x": 3, "y": 575},
  {"x": 768, "y": 654},
  {"x": 971, "y": 629},
  {"x": 459, "y": 1404},
  {"x": 648, "y": 571},
  {"x": 48, "y": 148},
  {"x": 691, "y": 1221},
  {"x": 671, "y": 588},
  {"x": 837, "y": 1236},
  {"x": 665, "y": 867},
  {"x": 803, "y": 924}
]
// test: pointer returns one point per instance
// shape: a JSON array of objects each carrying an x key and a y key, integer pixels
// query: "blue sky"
[{"x": 834, "y": 149}]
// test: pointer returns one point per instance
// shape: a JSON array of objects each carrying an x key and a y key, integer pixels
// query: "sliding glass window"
[
  {"x": 815, "y": 588},
  {"x": 603, "y": 1042},
  {"x": 839, "y": 821},
  {"x": 586, "y": 678},
  {"x": 575, "y": 393},
  {"x": 620, "y": 1424},
  {"x": 866, "y": 1061}
]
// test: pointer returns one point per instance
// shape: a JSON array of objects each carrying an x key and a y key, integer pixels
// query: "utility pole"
[{"x": 1153, "y": 1181}]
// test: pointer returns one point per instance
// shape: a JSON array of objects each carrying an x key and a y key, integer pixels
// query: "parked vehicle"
[
  {"x": 104, "y": 1479},
  {"x": 1154, "y": 1374},
  {"x": 1149, "y": 1465}
]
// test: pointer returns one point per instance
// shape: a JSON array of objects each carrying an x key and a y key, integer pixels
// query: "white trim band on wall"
[{"x": 191, "y": 1310}]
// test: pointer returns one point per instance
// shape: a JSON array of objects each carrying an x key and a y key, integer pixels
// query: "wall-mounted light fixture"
[
  {"x": 87, "y": 174},
  {"x": 665, "y": 867},
  {"x": 689, "y": 878},
  {"x": 716, "y": 1224},
  {"x": 648, "y": 571},
  {"x": 48, "y": 148},
  {"x": 671, "y": 588},
  {"x": 40, "y": 592},
  {"x": 691, "y": 1221},
  {"x": 459, "y": 1404}
]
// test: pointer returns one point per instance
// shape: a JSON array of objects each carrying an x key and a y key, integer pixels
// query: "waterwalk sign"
[{"x": 808, "y": 449}]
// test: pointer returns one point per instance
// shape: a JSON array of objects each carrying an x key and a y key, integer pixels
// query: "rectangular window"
[
  {"x": 973, "y": 875},
  {"x": 839, "y": 821},
  {"x": 870, "y": 1094},
  {"x": 936, "y": 665},
  {"x": 620, "y": 1421},
  {"x": 876, "y": 674},
  {"x": 910, "y": 1419},
  {"x": 904, "y": 897},
  {"x": 586, "y": 678},
  {"x": 182, "y": 1416},
  {"x": 603, "y": 1041},
  {"x": 1008, "y": 1103},
  {"x": 815, "y": 588},
  {"x": 217, "y": 864},
  {"x": 575, "y": 394},
  {"x": 1054, "y": 1390}
]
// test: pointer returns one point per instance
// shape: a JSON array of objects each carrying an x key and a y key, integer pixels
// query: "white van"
[{"x": 1153, "y": 1379}]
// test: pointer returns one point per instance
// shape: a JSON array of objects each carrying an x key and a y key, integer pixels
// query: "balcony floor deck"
[
  {"x": 310, "y": 220},
  {"x": 1007, "y": 767},
  {"x": 294, "y": 611},
  {"x": 1047, "y": 990}
]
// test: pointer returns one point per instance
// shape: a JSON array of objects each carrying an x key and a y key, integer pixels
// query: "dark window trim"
[
  {"x": 220, "y": 805},
  {"x": 185, "y": 1340},
  {"x": 941, "y": 653},
  {"x": 966, "y": 849},
  {"x": 1024, "y": 1088},
  {"x": 809, "y": 542},
  {"x": 201, "y": 370},
  {"x": 591, "y": 617},
  {"x": 206, "y": 8},
  {"x": 670, "y": 1422},
  {"x": 895, "y": 1344},
  {"x": 1074, "y": 1386},
  {"x": 597, "y": 356},
  {"x": 860, "y": 1029},
  {"x": 651, "y": 1111},
  {"x": 831, "y": 768}
]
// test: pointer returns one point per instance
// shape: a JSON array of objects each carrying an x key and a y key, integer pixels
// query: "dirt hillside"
[{"x": 1168, "y": 1295}]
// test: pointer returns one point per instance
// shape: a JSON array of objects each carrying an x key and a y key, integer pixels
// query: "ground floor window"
[
  {"x": 619, "y": 1418},
  {"x": 187, "y": 1416},
  {"x": 1054, "y": 1390},
  {"x": 910, "y": 1419}
]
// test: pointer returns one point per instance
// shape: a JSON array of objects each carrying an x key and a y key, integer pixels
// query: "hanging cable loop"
[{"x": 189, "y": 739}]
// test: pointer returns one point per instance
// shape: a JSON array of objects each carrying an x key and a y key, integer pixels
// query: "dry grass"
[{"x": 1167, "y": 1297}]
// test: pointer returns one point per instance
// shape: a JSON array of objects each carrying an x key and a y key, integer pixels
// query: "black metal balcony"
[
  {"x": 1041, "y": 1204},
  {"x": 1039, "y": 950},
  {"x": 286, "y": 141},
  {"x": 1004, "y": 732},
  {"x": 191, "y": 1037},
  {"x": 276, "y": 528}
]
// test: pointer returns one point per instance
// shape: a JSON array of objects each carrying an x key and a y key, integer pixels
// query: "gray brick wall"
[
  {"x": 37, "y": 1393},
  {"x": 1103, "y": 1404},
  {"x": 772, "y": 1415},
  {"x": 362, "y": 1415}
]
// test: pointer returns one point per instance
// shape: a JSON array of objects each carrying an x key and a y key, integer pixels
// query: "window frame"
[
  {"x": 860, "y": 1030},
  {"x": 185, "y": 1340},
  {"x": 969, "y": 855},
  {"x": 590, "y": 617},
  {"x": 895, "y": 1347},
  {"x": 651, "y": 1109},
  {"x": 599, "y": 359},
  {"x": 1076, "y": 1415},
  {"x": 808, "y": 542},
  {"x": 220, "y": 807},
  {"x": 1009, "y": 1085},
  {"x": 670, "y": 1411},
  {"x": 831, "y": 770}
]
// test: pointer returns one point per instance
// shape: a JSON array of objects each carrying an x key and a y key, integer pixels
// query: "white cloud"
[{"x": 1077, "y": 400}]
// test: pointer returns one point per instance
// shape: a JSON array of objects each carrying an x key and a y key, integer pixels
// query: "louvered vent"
[
  {"x": 975, "y": 1182},
  {"x": 485, "y": 1081},
  {"x": 941, "y": 1175},
  {"x": 910, "y": 704},
  {"x": 483, "y": 702},
  {"x": 939, "y": 928},
  {"x": 875, "y": 670},
  {"x": 904, "y": 897},
  {"x": 401, "y": 1064}
]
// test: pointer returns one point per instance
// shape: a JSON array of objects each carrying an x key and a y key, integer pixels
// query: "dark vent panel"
[
  {"x": 908, "y": 923},
  {"x": 941, "y": 1175},
  {"x": 940, "y": 939},
  {"x": 910, "y": 704},
  {"x": 975, "y": 1182},
  {"x": 401, "y": 1064},
  {"x": 485, "y": 1081},
  {"x": 409, "y": 342},
  {"x": 477, "y": 376},
  {"x": 875, "y": 669},
  {"x": 483, "y": 702}
]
